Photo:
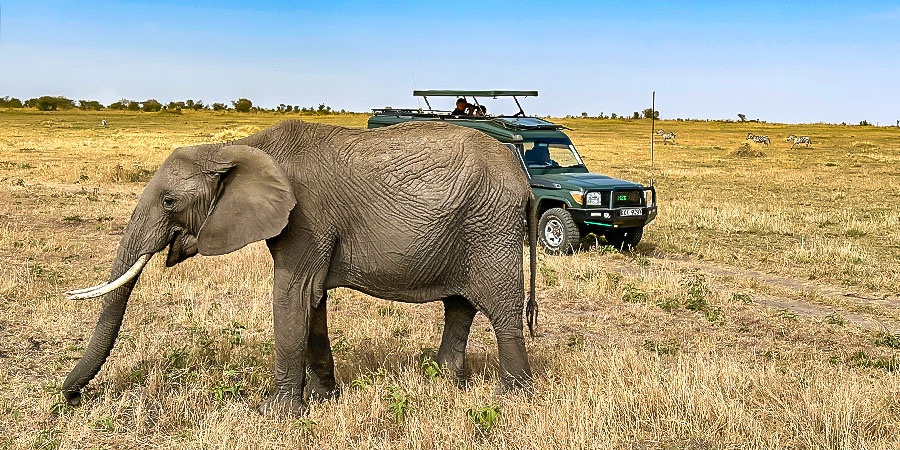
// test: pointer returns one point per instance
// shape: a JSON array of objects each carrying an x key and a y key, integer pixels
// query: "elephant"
[{"x": 416, "y": 212}]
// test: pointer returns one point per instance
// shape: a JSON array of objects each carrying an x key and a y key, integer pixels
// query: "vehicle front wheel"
[
  {"x": 558, "y": 232},
  {"x": 624, "y": 239}
]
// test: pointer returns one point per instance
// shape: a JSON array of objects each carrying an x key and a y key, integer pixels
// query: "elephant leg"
[
  {"x": 321, "y": 384},
  {"x": 458, "y": 316},
  {"x": 299, "y": 279},
  {"x": 291, "y": 332},
  {"x": 504, "y": 310}
]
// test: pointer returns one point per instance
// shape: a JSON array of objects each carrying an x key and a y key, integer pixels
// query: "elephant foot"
[
  {"x": 514, "y": 385},
  {"x": 284, "y": 404},
  {"x": 318, "y": 391}
]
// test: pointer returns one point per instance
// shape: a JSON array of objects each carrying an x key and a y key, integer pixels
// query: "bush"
[
  {"x": 650, "y": 112},
  {"x": 89, "y": 105},
  {"x": 7, "y": 102},
  {"x": 48, "y": 103},
  {"x": 119, "y": 105},
  {"x": 242, "y": 105},
  {"x": 151, "y": 105},
  {"x": 219, "y": 107}
]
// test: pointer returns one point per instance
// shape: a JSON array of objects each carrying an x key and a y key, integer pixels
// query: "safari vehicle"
[{"x": 571, "y": 201}]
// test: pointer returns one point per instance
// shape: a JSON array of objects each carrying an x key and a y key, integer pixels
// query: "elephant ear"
[{"x": 253, "y": 201}]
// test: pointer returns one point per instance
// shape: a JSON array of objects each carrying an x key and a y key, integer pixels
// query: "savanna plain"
[{"x": 761, "y": 310}]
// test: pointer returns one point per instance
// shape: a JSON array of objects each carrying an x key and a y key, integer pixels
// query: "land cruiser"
[{"x": 571, "y": 201}]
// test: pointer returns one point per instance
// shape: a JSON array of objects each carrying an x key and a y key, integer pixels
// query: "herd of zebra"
[{"x": 794, "y": 140}]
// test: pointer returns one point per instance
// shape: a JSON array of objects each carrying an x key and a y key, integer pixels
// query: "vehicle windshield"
[{"x": 544, "y": 155}]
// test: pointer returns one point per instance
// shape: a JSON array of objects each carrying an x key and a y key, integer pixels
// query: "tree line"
[{"x": 243, "y": 105}]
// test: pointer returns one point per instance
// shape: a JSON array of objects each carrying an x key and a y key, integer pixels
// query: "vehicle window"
[{"x": 544, "y": 155}]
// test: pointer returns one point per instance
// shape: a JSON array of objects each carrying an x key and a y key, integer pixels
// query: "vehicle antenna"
[
  {"x": 652, "y": 132},
  {"x": 419, "y": 102}
]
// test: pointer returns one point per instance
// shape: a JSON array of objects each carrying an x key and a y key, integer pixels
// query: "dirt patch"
[{"x": 746, "y": 151}]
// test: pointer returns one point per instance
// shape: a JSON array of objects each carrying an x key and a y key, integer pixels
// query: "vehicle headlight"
[
  {"x": 578, "y": 196},
  {"x": 594, "y": 198},
  {"x": 648, "y": 198}
]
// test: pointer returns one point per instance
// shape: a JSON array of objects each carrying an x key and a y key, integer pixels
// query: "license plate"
[{"x": 631, "y": 212}]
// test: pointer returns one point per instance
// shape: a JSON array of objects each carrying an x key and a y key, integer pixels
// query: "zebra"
[
  {"x": 667, "y": 136},
  {"x": 103, "y": 122},
  {"x": 758, "y": 139},
  {"x": 798, "y": 140},
  {"x": 660, "y": 132}
]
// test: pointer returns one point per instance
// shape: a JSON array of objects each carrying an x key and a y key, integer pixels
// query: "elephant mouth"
[{"x": 182, "y": 246}]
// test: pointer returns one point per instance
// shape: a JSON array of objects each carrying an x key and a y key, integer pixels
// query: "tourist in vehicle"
[
  {"x": 462, "y": 108},
  {"x": 539, "y": 155},
  {"x": 480, "y": 110}
]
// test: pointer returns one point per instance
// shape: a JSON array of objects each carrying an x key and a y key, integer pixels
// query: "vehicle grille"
[{"x": 628, "y": 198}]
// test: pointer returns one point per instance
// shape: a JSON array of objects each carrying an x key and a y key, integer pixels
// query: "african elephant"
[{"x": 415, "y": 212}]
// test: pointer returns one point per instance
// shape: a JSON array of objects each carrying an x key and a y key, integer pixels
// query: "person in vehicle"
[
  {"x": 480, "y": 111},
  {"x": 539, "y": 155},
  {"x": 462, "y": 108}
]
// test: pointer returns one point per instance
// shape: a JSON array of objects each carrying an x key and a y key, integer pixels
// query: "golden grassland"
[{"x": 760, "y": 311}]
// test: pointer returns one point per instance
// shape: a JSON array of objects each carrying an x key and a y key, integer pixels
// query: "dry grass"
[{"x": 730, "y": 327}]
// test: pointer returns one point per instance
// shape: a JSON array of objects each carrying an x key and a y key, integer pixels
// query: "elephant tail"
[{"x": 531, "y": 307}]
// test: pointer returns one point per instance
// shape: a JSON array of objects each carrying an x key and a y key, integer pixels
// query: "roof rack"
[
  {"x": 491, "y": 93},
  {"x": 474, "y": 94}
]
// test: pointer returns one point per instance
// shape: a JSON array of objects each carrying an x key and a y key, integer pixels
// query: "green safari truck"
[{"x": 571, "y": 201}]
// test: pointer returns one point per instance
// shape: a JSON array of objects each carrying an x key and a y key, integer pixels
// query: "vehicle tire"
[
  {"x": 625, "y": 239},
  {"x": 557, "y": 232}
]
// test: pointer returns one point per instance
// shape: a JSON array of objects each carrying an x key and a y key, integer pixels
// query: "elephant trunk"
[{"x": 107, "y": 329}]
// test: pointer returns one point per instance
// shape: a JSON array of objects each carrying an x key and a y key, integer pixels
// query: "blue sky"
[{"x": 777, "y": 61}]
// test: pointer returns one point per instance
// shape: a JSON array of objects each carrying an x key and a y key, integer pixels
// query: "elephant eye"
[{"x": 168, "y": 202}]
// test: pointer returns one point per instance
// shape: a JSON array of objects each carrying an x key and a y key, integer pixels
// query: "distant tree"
[
  {"x": 48, "y": 103},
  {"x": 322, "y": 109},
  {"x": 7, "y": 102},
  {"x": 636, "y": 115},
  {"x": 742, "y": 117},
  {"x": 89, "y": 105},
  {"x": 219, "y": 107},
  {"x": 176, "y": 105},
  {"x": 151, "y": 105},
  {"x": 614, "y": 116},
  {"x": 864, "y": 123},
  {"x": 189, "y": 103},
  {"x": 242, "y": 105},
  {"x": 648, "y": 112},
  {"x": 288, "y": 108},
  {"x": 120, "y": 105}
]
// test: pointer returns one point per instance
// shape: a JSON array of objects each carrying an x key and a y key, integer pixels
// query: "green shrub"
[
  {"x": 7, "y": 102},
  {"x": 632, "y": 294},
  {"x": 89, "y": 105},
  {"x": 121, "y": 105},
  {"x": 484, "y": 418},
  {"x": 242, "y": 105},
  {"x": 48, "y": 103},
  {"x": 399, "y": 403},
  {"x": 151, "y": 105}
]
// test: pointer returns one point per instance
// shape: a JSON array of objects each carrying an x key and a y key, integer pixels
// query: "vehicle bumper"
[{"x": 612, "y": 218}]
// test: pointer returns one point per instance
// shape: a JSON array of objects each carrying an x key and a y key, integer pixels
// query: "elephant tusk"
[
  {"x": 79, "y": 291},
  {"x": 126, "y": 277}
]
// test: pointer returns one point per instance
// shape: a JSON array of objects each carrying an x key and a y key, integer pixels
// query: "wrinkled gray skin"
[{"x": 416, "y": 212}]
